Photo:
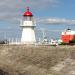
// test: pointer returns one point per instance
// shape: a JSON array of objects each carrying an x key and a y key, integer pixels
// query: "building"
[
  {"x": 68, "y": 36},
  {"x": 28, "y": 25}
]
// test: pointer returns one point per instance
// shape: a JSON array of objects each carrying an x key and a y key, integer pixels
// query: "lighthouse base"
[
  {"x": 28, "y": 36},
  {"x": 28, "y": 43}
]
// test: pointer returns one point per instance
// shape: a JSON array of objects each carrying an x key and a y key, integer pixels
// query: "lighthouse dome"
[{"x": 27, "y": 13}]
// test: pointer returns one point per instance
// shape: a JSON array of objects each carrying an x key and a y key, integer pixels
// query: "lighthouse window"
[{"x": 28, "y": 18}]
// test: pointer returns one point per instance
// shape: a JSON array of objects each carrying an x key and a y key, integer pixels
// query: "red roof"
[{"x": 27, "y": 13}]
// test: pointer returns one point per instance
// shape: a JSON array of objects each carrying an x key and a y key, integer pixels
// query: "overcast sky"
[
  {"x": 12, "y": 10},
  {"x": 46, "y": 12}
]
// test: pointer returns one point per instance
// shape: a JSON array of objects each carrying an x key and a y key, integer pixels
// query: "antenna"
[
  {"x": 27, "y": 2},
  {"x": 43, "y": 32}
]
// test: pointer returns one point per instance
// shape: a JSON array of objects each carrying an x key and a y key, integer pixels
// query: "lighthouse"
[{"x": 28, "y": 25}]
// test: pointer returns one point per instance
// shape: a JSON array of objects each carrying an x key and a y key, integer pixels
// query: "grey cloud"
[
  {"x": 44, "y": 3},
  {"x": 11, "y": 9},
  {"x": 55, "y": 21}
]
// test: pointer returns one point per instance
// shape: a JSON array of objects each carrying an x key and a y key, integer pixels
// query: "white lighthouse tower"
[{"x": 28, "y": 25}]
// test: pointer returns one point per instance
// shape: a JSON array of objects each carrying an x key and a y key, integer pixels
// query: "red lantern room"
[
  {"x": 27, "y": 13},
  {"x": 28, "y": 16}
]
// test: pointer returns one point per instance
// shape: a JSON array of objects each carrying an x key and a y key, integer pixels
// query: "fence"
[{"x": 14, "y": 35}]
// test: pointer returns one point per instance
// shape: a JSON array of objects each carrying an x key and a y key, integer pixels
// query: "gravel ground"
[{"x": 37, "y": 60}]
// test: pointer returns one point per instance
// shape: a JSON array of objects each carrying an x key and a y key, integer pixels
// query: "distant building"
[{"x": 68, "y": 36}]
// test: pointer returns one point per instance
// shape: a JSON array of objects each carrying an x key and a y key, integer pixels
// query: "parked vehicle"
[{"x": 4, "y": 41}]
